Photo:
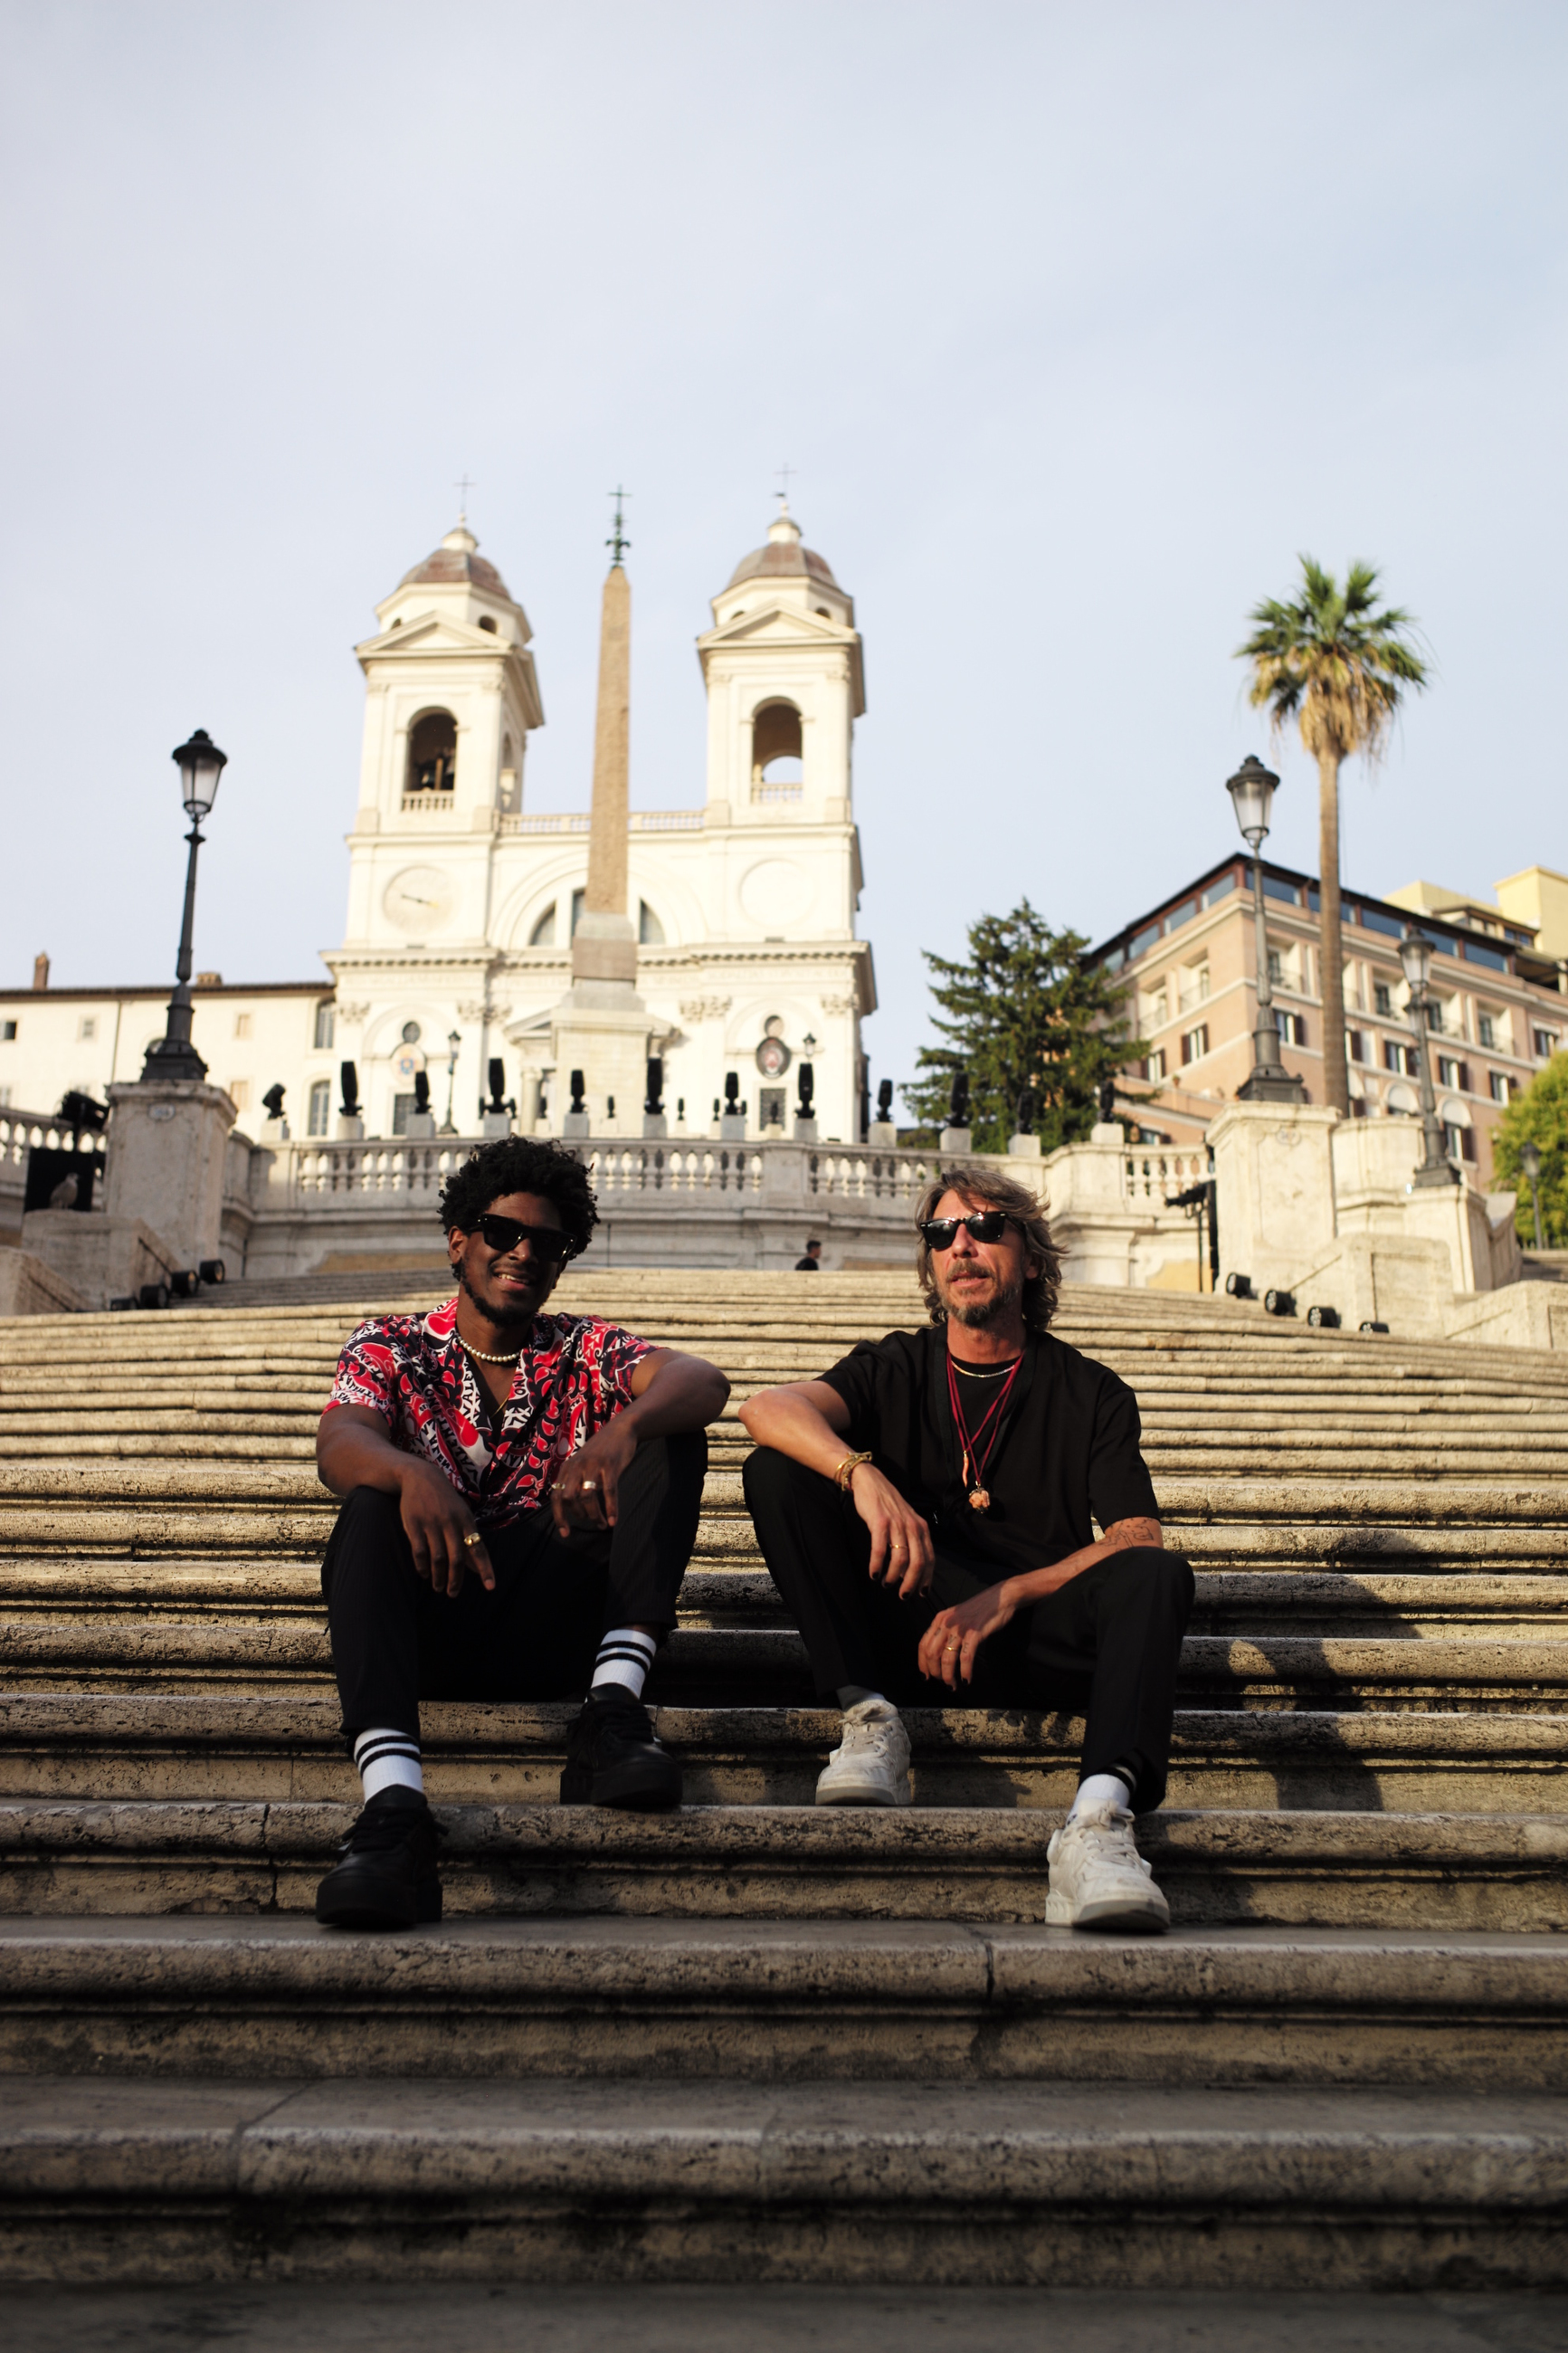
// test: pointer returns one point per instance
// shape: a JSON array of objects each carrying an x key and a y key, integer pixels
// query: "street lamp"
[
  {"x": 454, "y": 1047},
  {"x": 1437, "y": 1169},
  {"x": 1251, "y": 791},
  {"x": 172, "y": 1056},
  {"x": 1529, "y": 1161}
]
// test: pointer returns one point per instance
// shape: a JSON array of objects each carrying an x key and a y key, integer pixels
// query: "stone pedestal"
[
  {"x": 167, "y": 1143},
  {"x": 421, "y": 1125},
  {"x": 957, "y": 1143},
  {"x": 496, "y": 1123},
  {"x": 99, "y": 1258},
  {"x": 350, "y": 1130},
  {"x": 1023, "y": 1147},
  {"x": 732, "y": 1130},
  {"x": 576, "y": 1123},
  {"x": 882, "y": 1135},
  {"x": 1107, "y": 1131},
  {"x": 654, "y": 1122},
  {"x": 805, "y": 1130},
  {"x": 1274, "y": 1176}
]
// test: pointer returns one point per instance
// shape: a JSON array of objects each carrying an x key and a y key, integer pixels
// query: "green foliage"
[
  {"x": 1023, "y": 1010},
  {"x": 1334, "y": 659},
  {"x": 1537, "y": 1116}
]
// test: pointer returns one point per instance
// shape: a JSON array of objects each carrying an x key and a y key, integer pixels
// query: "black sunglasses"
[
  {"x": 982, "y": 1226},
  {"x": 504, "y": 1234}
]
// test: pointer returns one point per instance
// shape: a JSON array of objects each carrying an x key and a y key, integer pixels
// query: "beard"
[
  {"x": 975, "y": 1314},
  {"x": 506, "y": 1316}
]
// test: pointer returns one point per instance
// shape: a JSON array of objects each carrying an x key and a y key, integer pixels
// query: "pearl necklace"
[{"x": 491, "y": 1360}]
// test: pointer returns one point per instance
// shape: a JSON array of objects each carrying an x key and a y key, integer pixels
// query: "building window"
[
  {"x": 239, "y": 1093},
  {"x": 1434, "y": 1017},
  {"x": 578, "y": 899},
  {"x": 87, "y": 1028},
  {"x": 410, "y": 1033},
  {"x": 1276, "y": 967},
  {"x": 650, "y": 931},
  {"x": 1458, "y": 1143},
  {"x": 1545, "y": 1044},
  {"x": 777, "y": 753},
  {"x": 401, "y": 1107},
  {"x": 326, "y": 1027},
  {"x": 1192, "y": 985},
  {"x": 1195, "y": 1044},
  {"x": 242, "y": 1025},
  {"x": 1154, "y": 1067},
  {"x": 433, "y": 753},
  {"x": 7, "y": 1030},
  {"x": 1356, "y": 1045},
  {"x": 5, "y": 1097},
  {"x": 321, "y": 1107},
  {"x": 1453, "y": 1074},
  {"x": 1399, "y": 1057},
  {"x": 543, "y": 932},
  {"x": 1292, "y": 1028},
  {"x": 1383, "y": 998},
  {"x": 485, "y": 623},
  {"x": 1486, "y": 1029},
  {"x": 1501, "y": 1086}
]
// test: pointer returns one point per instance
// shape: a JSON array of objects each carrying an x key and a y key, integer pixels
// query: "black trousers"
[
  {"x": 395, "y": 1642},
  {"x": 1106, "y": 1644}
]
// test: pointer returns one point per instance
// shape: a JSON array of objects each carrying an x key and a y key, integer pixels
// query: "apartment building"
[{"x": 1500, "y": 992}]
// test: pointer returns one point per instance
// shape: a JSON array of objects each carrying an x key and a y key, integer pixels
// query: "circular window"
[
  {"x": 411, "y": 1033},
  {"x": 773, "y": 1058}
]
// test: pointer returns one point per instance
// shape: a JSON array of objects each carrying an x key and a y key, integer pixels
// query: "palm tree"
[{"x": 1339, "y": 663}]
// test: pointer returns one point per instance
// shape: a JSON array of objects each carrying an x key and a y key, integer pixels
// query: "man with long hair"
[
  {"x": 520, "y": 1500},
  {"x": 925, "y": 1508}
]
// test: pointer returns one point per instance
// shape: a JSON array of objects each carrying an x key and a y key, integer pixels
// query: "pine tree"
[{"x": 1023, "y": 1012}]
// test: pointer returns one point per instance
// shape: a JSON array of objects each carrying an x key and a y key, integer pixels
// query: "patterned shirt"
[{"x": 575, "y": 1373}]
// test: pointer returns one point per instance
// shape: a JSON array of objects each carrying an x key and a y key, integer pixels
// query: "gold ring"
[
  {"x": 952, "y": 1646},
  {"x": 472, "y": 1541},
  {"x": 589, "y": 1486}
]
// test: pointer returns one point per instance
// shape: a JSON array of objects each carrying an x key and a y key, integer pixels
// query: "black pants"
[
  {"x": 397, "y": 1642},
  {"x": 1106, "y": 1644}
]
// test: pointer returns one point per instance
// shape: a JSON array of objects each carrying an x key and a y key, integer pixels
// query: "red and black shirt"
[{"x": 574, "y": 1375}]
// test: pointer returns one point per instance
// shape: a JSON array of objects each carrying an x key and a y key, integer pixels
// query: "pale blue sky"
[{"x": 1076, "y": 324}]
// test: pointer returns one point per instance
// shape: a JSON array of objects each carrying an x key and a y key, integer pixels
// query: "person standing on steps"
[
  {"x": 811, "y": 1263},
  {"x": 925, "y": 1509},
  {"x": 520, "y": 1496}
]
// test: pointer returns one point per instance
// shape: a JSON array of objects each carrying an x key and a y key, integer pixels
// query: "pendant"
[{"x": 979, "y": 1500}]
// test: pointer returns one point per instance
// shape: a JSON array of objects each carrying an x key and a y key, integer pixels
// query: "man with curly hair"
[
  {"x": 520, "y": 1496},
  {"x": 926, "y": 1509}
]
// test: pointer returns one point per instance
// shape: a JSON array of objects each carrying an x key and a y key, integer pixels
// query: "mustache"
[{"x": 507, "y": 1315}]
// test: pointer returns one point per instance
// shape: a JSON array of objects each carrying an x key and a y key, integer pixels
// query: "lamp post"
[
  {"x": 454, "y": 1047},
  {"x": 1437, "y": 1169},
  {"x": 1529, "y": 1161},
  {"x": 201, "y": 764},
  {"x": 1251, "y": 791}
]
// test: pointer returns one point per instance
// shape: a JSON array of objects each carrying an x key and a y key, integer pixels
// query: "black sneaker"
[
  {"x": 613, "y": 1757},
  {"x": 388, "y": 1875}
]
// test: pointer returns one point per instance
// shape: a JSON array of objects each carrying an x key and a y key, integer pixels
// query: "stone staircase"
[{"x": 753, "y": 2039}]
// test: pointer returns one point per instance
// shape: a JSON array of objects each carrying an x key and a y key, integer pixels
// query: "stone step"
[
  {"x": 825, "y": 2000},
  {"x": 1447, "y": 1872},
  {"x": 749, "y": 1666},
  {"x": 1160, "y": 2187},
  {"x": 1233, "y": 1602},
  {"x": 158, "y": 1744}
]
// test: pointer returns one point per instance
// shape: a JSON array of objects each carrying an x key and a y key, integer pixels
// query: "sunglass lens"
[
  {"x": 988, "y": 1226},
  {"x": 939, "y": 1232},
  {"x": 505, "y": 1234}
]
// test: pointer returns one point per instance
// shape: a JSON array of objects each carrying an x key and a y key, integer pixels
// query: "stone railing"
[
  {"x": 429, "y": 804},
  {"x": 397, "y": 1172},
  {"x": 1158, "y": 1173},
  {"x": 685, "y": 820},
  {"x": 20, "y": 1130}
]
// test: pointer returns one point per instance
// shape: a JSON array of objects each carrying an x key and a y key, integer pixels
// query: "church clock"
[{"x": 419, "y": 900}]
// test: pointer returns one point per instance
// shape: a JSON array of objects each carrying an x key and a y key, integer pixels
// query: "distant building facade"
[
  {"x": 462, "y": 900},
  {"x": 1500, "y": 988}
]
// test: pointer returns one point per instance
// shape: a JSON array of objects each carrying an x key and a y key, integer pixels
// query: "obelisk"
[{"x": 602, "y": 1027}]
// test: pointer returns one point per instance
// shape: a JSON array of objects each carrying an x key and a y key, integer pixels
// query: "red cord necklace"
[{"x": 976, "y": 1464}]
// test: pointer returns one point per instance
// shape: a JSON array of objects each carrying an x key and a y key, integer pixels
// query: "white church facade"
[{"x": 462, "y": 898}]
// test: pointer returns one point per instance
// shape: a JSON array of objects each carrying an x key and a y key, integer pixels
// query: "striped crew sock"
[
  {"x": 388, "y": 1760},
  {"x": 624, "y": 1657}
]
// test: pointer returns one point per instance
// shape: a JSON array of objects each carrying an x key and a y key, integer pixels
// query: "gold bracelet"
[{"x": 848, "y": 1468}]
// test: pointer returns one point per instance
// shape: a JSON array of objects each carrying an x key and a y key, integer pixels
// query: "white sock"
[
  {"x": 624, "y": 1657},
  {"x": 850, "y": 1695},
  {"x": 388, "y": 1760},
  {"x": 1101, "y": 1789}
]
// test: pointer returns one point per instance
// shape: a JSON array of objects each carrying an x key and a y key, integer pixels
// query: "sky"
[{"x": 1077, "y": 325}]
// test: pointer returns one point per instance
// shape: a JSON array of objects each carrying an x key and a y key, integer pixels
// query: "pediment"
[
  {"x": 436, "y": 633},
  {"x": 773, "y": 623}
]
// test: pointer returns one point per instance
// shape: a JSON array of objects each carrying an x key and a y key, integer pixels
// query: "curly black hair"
[{"x": 517, "y": 1164}]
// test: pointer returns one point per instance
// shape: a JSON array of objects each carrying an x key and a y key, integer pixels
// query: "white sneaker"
[
  {"x": 1099, "y": 1879},
  {"x": 870, "y": 1766}
]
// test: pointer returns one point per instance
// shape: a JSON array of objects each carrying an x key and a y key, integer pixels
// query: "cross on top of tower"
[
  {"x": 617, "y": 542},
  {"x": 783, "y": 496},
  {"x": 463, "y": 488}
]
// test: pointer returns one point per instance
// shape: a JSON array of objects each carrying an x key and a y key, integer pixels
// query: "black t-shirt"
[
  {"x": 806, "y": 1266},
  {"x": 1068, "y": 1447}
]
